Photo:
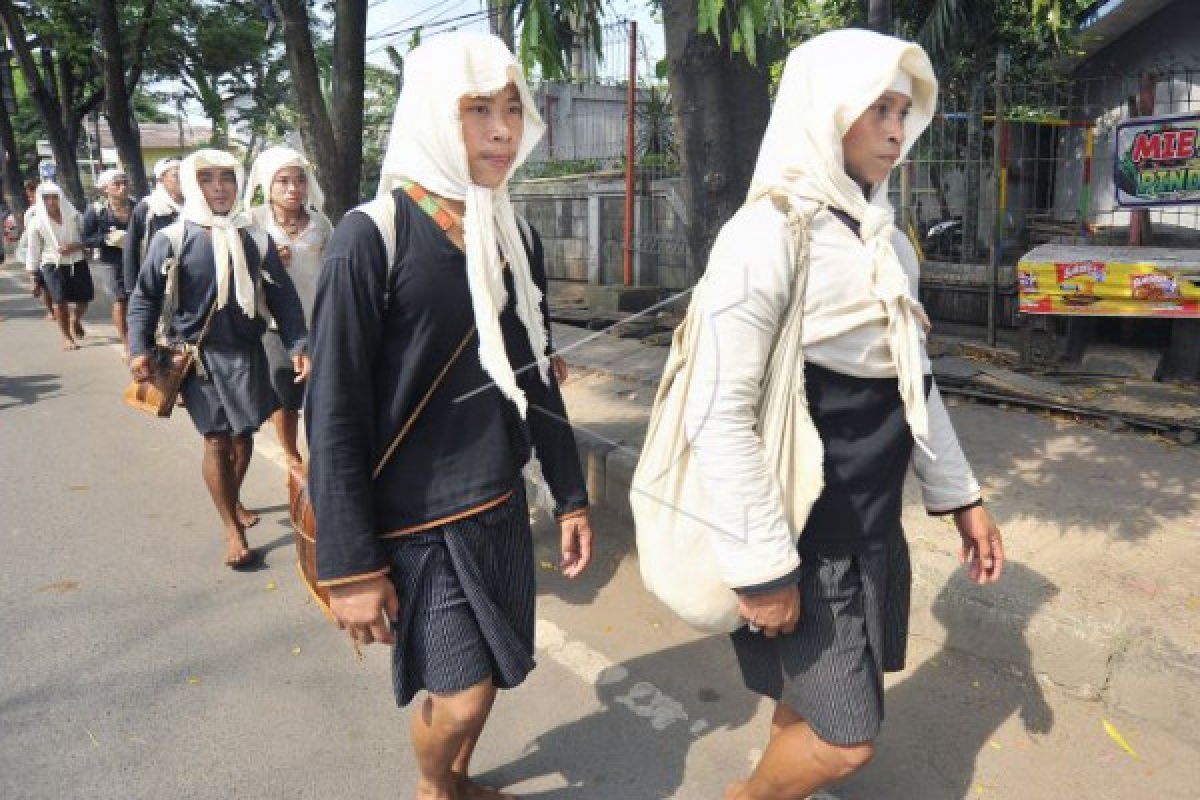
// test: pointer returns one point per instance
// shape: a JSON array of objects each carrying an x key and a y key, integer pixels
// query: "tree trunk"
[
  {"x": 349, "y": 65},
  {"x": 879, "y": 15},
  {"x": 721, "y": 105},
  {"x": 14, "y": 193},
  {"x": 49, "y": 107},
  {"x": 312, "y": 116},
  {"x": 116, "y": 92},
  {"x": 501, "y": 22}
]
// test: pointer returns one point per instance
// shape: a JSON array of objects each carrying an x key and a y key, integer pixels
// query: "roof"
[
  {"x": 1108, "y": 20},
  {"x": 161, "y": 135}
]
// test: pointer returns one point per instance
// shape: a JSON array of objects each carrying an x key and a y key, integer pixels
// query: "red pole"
[{"x": 630, "y": 154}]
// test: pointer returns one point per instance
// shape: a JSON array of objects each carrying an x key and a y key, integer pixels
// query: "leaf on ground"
[
  {"x": 193, "y": 681},
  {"x": 546, "y": 565},
  {"x": 59, "y": 587},
  {"x": 996, "y": 745},
  {"x": 295, "y": 651},
  {"x": 272, "y": 586},
  {"x": 1116, "y": 736}
]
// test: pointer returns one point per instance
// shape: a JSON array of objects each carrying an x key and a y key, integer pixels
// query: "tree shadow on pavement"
[
  {"x": 653, "y": 710},
  {"x": 932, "y": 737},
  {"x": 23, "y": 390}
]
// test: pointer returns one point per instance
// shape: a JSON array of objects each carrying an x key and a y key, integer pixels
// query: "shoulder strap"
[
  {"x": 387, "y": 454},
  {"x": 526, "y": 233},
  {"x": 382, "y": 210},
  {"x": 170, "y": 268}
]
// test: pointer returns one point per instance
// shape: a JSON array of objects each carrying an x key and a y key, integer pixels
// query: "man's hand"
[
  {"x": 67, "y": 249},
  {"x": 285, "y": 254},
  {"x": 772, "y": 613},
  {"x": 141, "y": 367},
  {"x": 576, "y": 545},
  {"x": 981, "y": 544},
  {"x": 360, "y": 609},
  {"x": 558, "y": 366},
  {"x": 302, "y": 365}
]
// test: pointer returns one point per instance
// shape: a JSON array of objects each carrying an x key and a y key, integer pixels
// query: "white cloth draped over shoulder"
[
  {"x": 46, "y": 235},
  {"x": 426, "y": 146}
]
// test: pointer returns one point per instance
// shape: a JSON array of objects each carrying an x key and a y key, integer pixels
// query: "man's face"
[
  {"x": 117, "y": 190},
  {"x": 52, "y": 207},
  {"x": 170, "y": 181},
  {"x": 219, "y": 185},
  {"x": 289, "y": 188},
  {"x": 492, "y": 127},
  {"x": 872, "y": 145}
]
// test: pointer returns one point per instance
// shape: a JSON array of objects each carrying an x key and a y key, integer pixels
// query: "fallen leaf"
[
  {"x": 59, "y": 587},
  {"x": 194, "y": 681},
  {"x": 295, "y": 651},
  {"x": 996, "y": 745},
  {"x": 546, "y": 565},
  {"x": 272, "y": 586},
  {"x": 1116, "y": 736},
  {"x": 975, "y": 684},
  {"x": 92, "y": 736}
]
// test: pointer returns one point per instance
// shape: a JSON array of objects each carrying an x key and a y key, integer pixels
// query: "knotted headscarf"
[
  {"x": 426, "y": 146},
  {"x": 160, "y": 202},
  {"x": 828, "y": 83},
  {"x": 262, "y": 175},
  {"x": 229, "y": 255},
  {"x": 56, "y": 233}
]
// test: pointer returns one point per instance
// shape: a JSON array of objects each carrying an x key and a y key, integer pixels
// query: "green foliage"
[{"x": 551, "y": 29}]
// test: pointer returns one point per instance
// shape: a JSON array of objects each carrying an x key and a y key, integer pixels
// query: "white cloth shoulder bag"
[{"x": 674, "y": 528}]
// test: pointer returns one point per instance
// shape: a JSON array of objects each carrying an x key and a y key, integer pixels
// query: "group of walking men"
[{"x": 431, "y": 390}]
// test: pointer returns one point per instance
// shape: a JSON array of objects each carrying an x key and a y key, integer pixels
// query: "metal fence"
[{"x": 978, "y": 192}]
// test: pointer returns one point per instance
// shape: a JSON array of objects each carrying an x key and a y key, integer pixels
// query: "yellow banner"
[{"x": 1105, "y": 289}]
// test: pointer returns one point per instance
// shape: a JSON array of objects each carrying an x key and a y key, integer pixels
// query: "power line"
[
  {"x": 391, "y": 29},
  {"x": 453, "y": 23}
]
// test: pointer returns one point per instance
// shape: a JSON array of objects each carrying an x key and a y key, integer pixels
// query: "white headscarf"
[
  {"x": 267, "y": 165},
  {"x": 160, "y": 202},
  {"x": 426, "y": 146},
  {"x": 828, "y": 83},
  {"x": 229, "y": 255},
  {"x": 56, "y": 234},
  {"x": 107, "y": 177}
]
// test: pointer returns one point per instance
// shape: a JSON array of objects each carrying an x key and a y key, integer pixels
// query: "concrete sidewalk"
[{"x": 1102, "y": 593}]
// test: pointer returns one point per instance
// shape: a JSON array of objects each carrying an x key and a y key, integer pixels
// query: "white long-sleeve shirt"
[
  {"x": 742, "y": 302},
  {"x": 43, "y": 238}
]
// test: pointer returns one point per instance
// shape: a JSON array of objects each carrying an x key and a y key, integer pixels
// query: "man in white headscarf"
[
  {"x": 290, "y": 212},
  {"x": 434, "y": 553},
  {"x": 158, "y": 210},
  {"x": 104, "y": 228},
  {"x": 217, "y": 285},
  {"x": 826, "y": 619},
  {"x": 54, "y": 247}
]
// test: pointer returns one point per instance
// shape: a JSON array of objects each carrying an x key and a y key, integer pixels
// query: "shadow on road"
[{"x": 931, "y": 739}]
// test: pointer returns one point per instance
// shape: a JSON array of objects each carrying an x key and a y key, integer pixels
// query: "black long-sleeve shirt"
[
  {"x": 380, "y": 337},
  {"x": 142, "y": 227},
  {"x": 230, "y": 328},
  {"x": 97, "y": 223}
]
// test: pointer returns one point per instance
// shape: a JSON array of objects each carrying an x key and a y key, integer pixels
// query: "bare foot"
[
  {"x": 735, "y": 790},
  {"x": 69, "y": 344},
  {"x": 427, "y": 790},
  {"x": 237, "y": 552},
  {"x": 78, "y": 329},
  {"x": 247, "y": 518},
  {"x": 470, "y": 790}
]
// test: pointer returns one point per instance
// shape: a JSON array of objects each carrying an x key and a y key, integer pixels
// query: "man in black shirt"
[
  {"x": 226, "y": 275},
  {"x": 157, "y": 211},
  {"x": 104, "y": 228},
  {"x": 439, "y": 331}
]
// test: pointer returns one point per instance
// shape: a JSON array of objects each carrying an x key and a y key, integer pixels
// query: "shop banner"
[
  {"x": 1107, "y": 288},
  {"x": 1158, "y": 161}
]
